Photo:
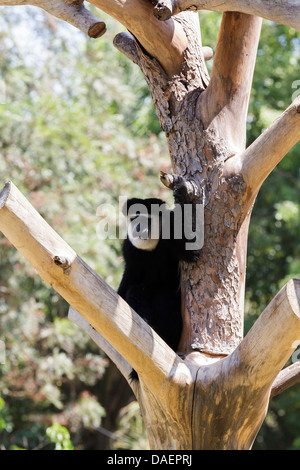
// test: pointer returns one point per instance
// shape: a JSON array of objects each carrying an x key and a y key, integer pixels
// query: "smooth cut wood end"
[
  {"x": 163, "y": 11},
  {"x": 97, "y": 30},
  {"x": 293, "y": 292}
]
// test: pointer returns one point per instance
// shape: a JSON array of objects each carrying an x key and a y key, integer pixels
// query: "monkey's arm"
[{"x": 187, "y": 217}]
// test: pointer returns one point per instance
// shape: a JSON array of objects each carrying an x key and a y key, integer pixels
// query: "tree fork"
[
  {"x": 196, "y": 400},
  {"x": 205, "y": 127},
  {"x": 171, "y": 389}
]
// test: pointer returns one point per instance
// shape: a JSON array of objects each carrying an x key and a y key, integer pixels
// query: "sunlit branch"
[
  {"x": 83, "y": 289},
  {"x": 285, "y": 379},
  {"x": 287, "y": 12},
  {"x": 72, "y": 12},
  {"x": 261, "y": 157}
]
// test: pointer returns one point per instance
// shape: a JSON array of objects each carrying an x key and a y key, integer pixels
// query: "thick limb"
[
  {"x": 267, "y": 150},
  {"x": 83, "y": 289},
  {"x": 72, "y": 12},
  {"x": 272, "y": 339},
  {"x": 164, "y": 41},
  {"x": 104, "y": 345},
  {"x": 285, "y": 379},
  {"x": 224, "y": 104},
  {"x": 287, "y": 12}
]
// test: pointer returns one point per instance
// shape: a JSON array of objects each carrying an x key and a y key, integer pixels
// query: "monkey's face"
[{"x": 144, "y": 230}]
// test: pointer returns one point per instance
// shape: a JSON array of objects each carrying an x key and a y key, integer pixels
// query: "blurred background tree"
[{"x": 78, "y": 130}]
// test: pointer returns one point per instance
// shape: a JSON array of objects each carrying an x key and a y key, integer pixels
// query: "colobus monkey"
[{"x": 157, "y": 240}]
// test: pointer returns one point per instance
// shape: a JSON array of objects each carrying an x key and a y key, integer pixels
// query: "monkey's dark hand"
[{"x": 185, "y": 190}]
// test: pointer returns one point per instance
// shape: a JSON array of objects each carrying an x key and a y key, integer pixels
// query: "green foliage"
[
  {"x": 75, "y": 134},
  {"x": 60, "y": 436},
  {"x": 273, "y": 251},
  {"x": 5, "y": 422},
  {"x": 73, "y": 138},
  {"x": 131, "y": 429}
]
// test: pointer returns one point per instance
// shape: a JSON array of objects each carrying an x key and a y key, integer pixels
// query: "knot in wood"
[
  {"x": 63, "y": 263},
  {"x": 74, "y": 2}
]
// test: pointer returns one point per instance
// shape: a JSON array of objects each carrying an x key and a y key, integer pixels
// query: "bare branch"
[
  {"x": 272, "y": 339},
  {"x": 165, "y": 41},
  {"x": 124, "y": 42},
  {"x": 269, "y": 148},
  {"x": 287, "y": 12},
  {"x": 226, "y": 98},
  {"x": 104, "y": 345},
  {"x": 72, "y": 12},
  {"x": 285, "y": 379},
  {"x": 84, "y": 290},
  {"x": 207, "y": 52}
]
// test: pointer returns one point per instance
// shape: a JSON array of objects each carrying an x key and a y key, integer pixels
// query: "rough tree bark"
[{"x": 214, "y": 394}]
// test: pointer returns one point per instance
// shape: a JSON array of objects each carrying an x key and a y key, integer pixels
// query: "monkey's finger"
[{"x": 167, "y": 179}]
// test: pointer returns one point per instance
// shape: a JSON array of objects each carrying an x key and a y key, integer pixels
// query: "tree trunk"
[
  {"x": 201, "y": 139},
  {"x": 214, "y": 394}
]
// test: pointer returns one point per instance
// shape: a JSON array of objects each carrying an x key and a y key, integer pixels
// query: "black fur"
[{"x": 151, "y": 281}]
